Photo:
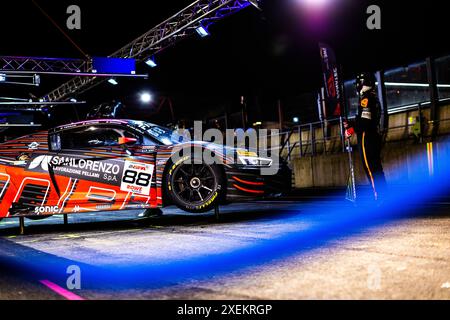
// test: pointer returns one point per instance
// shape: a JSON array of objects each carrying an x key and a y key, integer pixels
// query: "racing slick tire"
[{"x": 195, "y": 188}]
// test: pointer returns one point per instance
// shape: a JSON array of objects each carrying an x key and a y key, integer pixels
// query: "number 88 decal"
[{"x": 141, "y": 179}]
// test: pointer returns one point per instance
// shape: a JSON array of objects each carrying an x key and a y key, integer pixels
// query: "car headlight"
[{"x": 250, "y": 158}]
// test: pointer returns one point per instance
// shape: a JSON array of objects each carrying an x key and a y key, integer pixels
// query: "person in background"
[{"x": 366, "y": 127}]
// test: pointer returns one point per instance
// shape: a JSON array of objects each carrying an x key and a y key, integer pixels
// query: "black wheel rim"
[{"x": 194, "y": 184}]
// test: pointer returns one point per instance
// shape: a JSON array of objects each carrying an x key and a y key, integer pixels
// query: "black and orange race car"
[{"x": 111, "y": 164}]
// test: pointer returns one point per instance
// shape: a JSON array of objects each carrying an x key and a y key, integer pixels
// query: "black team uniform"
[{"x": 367, "y": 130}]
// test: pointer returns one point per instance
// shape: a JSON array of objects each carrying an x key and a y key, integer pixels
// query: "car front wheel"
[{"x": 194, "y": 187}]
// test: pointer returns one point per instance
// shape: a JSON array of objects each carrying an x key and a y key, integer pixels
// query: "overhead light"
[
  {"x": 151, "y": 63},
  {"x": 73, "y": 100},
  {"x": 314, "y": 4},
  {"x": 113, "y": 81},
  {"x": 2, "y": 77},
  {"x": 258, "y": 123},
  {"x": 146, "y": 97},
  {"x": 202, "y": 31},
  {"x": 295, "y": 120}
]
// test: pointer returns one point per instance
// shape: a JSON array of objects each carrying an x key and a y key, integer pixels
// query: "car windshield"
[{"x": 162, "y": 134}]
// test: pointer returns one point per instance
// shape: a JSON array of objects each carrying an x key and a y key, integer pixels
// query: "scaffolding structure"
[
  {"x": 201, "y": 13},
  {"x": 19, "y": 65}
]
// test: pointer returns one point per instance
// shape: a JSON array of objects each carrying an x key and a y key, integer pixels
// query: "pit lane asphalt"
[{"x": 253, "y": 252}]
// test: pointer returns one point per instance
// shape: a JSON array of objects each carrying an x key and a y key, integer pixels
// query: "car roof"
[{"x": 96, "y": 122}]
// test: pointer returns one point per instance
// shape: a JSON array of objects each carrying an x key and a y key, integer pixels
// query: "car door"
[{"x": 94, "y": 168}]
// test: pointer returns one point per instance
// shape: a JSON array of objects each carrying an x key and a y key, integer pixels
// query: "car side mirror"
[{"x": 126, "y": 141}]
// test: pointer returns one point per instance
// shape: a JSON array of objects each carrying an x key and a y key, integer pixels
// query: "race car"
[{"x": 112, "y": 164}]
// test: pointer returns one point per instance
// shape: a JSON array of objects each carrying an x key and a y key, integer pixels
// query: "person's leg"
[
  {"x": 377, "y": 166},
  {"x": 368, "y": 156}
]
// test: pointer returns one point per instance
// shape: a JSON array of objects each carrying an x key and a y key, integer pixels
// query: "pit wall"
[{"x": 402, "y": 156}]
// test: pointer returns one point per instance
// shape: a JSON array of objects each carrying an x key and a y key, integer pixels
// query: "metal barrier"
[
  {"x": 326, "y": 137},
  {"x": 313, "y": 138}
]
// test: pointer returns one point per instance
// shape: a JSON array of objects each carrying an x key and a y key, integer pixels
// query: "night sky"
[{"x": 264, "y": 56}]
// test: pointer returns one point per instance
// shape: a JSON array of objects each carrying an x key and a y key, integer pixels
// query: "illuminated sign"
[{"x": 114, "y": 65}]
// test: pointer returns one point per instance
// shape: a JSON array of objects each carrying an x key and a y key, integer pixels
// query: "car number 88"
[{"x": 141, "y": 179}]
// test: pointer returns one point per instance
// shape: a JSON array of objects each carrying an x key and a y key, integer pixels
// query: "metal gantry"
[
  {"x": 18, "y": 65},
  {"x": 19, "y": 79},
  {"x": 179, "y": 26}
]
